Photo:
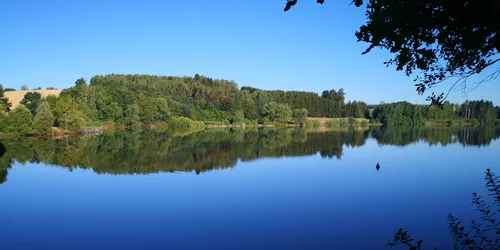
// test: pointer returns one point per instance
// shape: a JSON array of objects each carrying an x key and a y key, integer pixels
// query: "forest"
[
  {"x": 405, "y": 113},
  {"x": 148, "y": 101}
]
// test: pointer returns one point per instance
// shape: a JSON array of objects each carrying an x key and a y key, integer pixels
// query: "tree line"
[
  {"x": 179, "y": 101},
  {"x": 192, "y": 102},
  {"x": 405, "y": 113}
]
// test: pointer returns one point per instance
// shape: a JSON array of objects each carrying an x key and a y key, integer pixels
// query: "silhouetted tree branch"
[{"x": 435, "y": 39}]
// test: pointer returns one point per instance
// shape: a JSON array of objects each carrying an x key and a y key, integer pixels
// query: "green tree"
[
  {"x": 283, "y": 113},
  {"x": 24, "y": 87},
  {"x": 270, "y": 110},
  {"x": 114, "y": 112},
  {"x": 147, "y": 110},
  {"x": 68, "y": 116},
  {"x": 31, "y": 100},
  {"x": 51, "y": 99},
  {"x": 300, "y": 115},
  {"x": 80, "y": 83},
  {"x": 239, "y": 116},
  {"x": 4, "y": 102},
  {"x": 417, "y": 115},
  {"x": 132, "y": 117},
  {"x": 3, "y": 121},
  {"x": 20, "y": 120},
  {"x": 162, "y": 110},
  {"x": 44, "y": 119}
]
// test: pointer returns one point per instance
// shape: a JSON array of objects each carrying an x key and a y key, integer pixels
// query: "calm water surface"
[{"x": 241, "y": 189}]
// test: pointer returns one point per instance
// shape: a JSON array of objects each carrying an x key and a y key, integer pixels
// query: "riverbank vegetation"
[
  {"x": 468, "y": 113},
  {"x": 192, "y": 103}
]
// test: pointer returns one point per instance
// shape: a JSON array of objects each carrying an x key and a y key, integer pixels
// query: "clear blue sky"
[{"x": 255, "y": 43}]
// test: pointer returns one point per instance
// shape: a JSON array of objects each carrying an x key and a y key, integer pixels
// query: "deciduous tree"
[
  {"x": 44, "y": 119},
  {"x": 20, "y": 120}
]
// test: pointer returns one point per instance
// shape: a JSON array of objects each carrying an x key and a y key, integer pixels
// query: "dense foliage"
[
  {"x": 405, "y": 113},
  {"x": 146, "y": 101},
  {"x": 43, "y": 119},
  {"x": 4, "y": 102},
  {"x": 19, "y": 121},
  {"x": 31, "y": 100}
]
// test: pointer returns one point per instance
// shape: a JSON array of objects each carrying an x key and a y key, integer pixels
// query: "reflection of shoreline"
[{"x": 153, "y": 152}]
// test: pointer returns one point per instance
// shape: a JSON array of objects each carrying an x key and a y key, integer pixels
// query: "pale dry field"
[{"x": 16, "y": 96}]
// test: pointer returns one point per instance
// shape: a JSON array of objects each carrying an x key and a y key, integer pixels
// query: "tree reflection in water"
[{"x": 153, "y": 152}]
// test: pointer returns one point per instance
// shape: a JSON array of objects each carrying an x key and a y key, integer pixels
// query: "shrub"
[
  {"x": 364, "y": 123},
  {"x": 266, "y": 121},
  {"x": 94, "y": 124},
  {"x": 351, "y": 120},
  {"x": 344, "y": 122},
  {"x": 250, "y": 122},
  {"x": 308, "y": 123},
  {"x": 214, "y": 123},
  {"x": 239, "y": 116},
  {"x": 185, "y": 123},
  {"x": 316, "y": 123},
  {"x": 217, "y": 123},
  {"x": 333, "y": 123}
]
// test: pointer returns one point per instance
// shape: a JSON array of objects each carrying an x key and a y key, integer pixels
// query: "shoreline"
[{"x": 61, "y": 133}]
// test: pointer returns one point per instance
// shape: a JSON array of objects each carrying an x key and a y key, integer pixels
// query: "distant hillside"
[{"x": 16, "y": 96}]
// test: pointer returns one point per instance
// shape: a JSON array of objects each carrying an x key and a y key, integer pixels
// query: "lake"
[{"x": 241, "y": 188}]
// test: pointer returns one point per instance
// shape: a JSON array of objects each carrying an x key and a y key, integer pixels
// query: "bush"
[
  {"x": 316, "y": 123},
  {"x": 266, "y": 121},
  {"x": 351, "y": 120},
  {"x": 344, "y": 122},
  {"x": 364, "y": 123},
  {"x": 250, "y": 122},
  {"x": 94, "y": 124},
  {"x": 185, "y": 123},
  {"x": 333, "y": 123},
  {"x": 308, "y": 123},
  {"x": 239, "y": 124},
  {"x": 215, "y": 123}
]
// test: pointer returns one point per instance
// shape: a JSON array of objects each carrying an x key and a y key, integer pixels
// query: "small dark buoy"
[{"x": 377, "y": 167}]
